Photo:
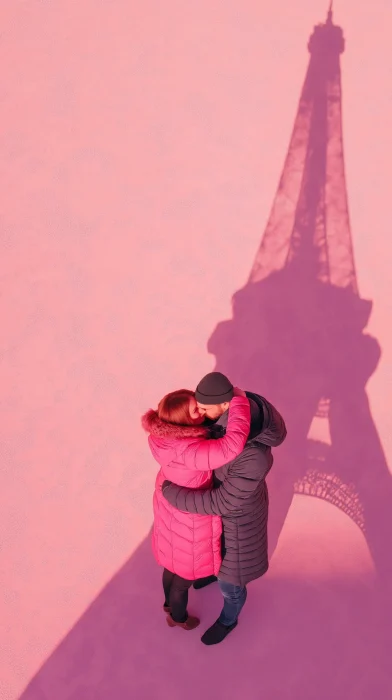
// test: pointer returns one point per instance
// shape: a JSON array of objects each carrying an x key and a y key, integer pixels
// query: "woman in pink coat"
[{"x": 188, "y": 546}]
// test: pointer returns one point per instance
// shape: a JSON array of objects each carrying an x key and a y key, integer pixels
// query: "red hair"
[{"x": 174, "y": 407}]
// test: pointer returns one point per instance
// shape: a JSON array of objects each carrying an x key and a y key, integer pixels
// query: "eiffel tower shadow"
[
  {"x": 297, "y": 336},
  {"x": 298, "y": 329}
]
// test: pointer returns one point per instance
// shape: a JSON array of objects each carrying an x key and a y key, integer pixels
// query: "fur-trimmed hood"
[{"x": 159, "y": 428}]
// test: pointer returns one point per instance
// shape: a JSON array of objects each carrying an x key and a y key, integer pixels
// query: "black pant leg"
[
  {"x": 179, "y": 598},
  {"x": 167, "y": 580}
]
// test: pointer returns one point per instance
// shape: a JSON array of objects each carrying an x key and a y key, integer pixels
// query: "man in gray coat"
[{"x": 239, "y": 496}]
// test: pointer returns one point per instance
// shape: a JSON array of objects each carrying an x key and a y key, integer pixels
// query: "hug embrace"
[{"x": 213, "y": 447}]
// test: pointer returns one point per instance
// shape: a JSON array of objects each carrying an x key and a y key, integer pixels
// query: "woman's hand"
[{"x": 238, "y": 392}]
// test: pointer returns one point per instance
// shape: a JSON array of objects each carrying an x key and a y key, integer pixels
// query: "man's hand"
[
  {"x": 238, "y": 392},
  {"x": 165, "y": 484}
]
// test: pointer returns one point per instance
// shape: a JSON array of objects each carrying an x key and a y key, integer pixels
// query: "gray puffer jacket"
[{"x": 240, "y": 495}]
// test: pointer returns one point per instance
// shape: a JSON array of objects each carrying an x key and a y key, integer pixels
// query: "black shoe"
[
  {"x": 217, "y": 633},
  {"x": 203, "y": 582}
]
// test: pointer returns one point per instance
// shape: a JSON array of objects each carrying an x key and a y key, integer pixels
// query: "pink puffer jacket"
[{"x": 186, "y": 544}]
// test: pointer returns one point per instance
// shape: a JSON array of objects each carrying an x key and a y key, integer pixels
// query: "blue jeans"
[{"x": 234, "y": 601}]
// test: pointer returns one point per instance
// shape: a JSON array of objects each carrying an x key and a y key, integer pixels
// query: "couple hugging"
[{"x": 211, "y": 499}]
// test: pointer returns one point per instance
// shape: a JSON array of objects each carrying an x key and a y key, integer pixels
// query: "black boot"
[
  {"x": 217, "y": 633},
  {"x": 203, "y": 582}
]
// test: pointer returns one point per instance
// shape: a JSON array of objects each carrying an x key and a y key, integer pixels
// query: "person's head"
[
  {"x": 213, "y": 395},
  {"x": 180, "y": 407}
]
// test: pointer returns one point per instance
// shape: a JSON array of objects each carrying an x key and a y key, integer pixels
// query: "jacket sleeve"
[
  {"x": 231, "y": 497},
  {"x": 212, "y": 454}
]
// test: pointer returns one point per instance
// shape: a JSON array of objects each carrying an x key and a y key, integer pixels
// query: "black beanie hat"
[{"x": 214, "y": 388}]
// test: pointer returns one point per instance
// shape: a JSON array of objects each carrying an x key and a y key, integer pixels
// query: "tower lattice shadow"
[{"x": 297, "y": 332}]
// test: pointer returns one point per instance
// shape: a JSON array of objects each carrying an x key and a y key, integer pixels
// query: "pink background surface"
[{"x": 141, "y": 145}]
